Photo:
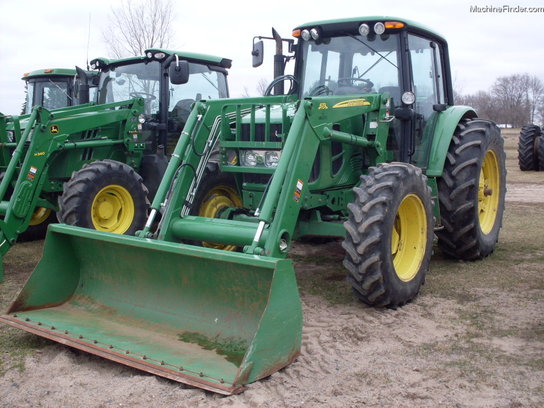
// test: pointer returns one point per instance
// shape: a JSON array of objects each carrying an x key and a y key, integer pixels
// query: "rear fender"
[{"x": 445, "y": 127}]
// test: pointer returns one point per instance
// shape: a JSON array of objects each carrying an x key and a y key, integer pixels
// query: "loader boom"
[{"x": 58, "y": 138}]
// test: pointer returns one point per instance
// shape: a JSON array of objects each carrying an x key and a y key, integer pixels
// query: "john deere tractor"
[
  {"x": 55, "y": 88},
  {"x": 367, "y": 146},
  {"x": 95, "y": 165}
]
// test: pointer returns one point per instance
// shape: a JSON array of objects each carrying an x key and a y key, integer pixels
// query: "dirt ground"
[{"x": 473, "y": 338}]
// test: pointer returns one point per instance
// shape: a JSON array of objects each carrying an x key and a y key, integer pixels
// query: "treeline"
[{"x": 514, "y": 100}]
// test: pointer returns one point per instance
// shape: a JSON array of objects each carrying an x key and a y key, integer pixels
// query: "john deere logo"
[
  {"x": 322, "y": 106},
  {"x": 351, "y": 103},
  {"x": 54, "y": 129}
]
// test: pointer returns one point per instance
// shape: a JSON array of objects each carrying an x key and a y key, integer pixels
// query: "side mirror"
[
  {"x": 258, "y": 53},
  {"x": 179, "y": 72}
]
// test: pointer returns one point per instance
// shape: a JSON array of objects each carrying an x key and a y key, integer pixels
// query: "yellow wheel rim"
[
  {"x": 217, "y": 199},
  {"x": 488, "y": 192},
  {"x": 409, "y": 238},
  {"x": 39, "y": 215},
  {"x": 112, "y": 209}
]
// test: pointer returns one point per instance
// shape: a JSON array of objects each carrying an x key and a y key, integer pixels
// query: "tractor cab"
[
  {"x": 56, "y": 88},
  {"x": 398, "y": 59},
  {"x": 169, "y": 83}
]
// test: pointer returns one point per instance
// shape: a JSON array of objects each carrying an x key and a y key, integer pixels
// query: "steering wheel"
[
  {"x": 367, "y": 83},
  {"x": 292, "y": 88},
  {"x": 144, "y": 95},
  {"x": 320, "y": 90}
]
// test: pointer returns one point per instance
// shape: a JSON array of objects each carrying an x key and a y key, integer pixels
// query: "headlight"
[
  {"x": 272, "y": 158},
  {"x": 260, "y": 158},
  {"x": 379, "y": 28},
  {"x": 249, "y": 158}
]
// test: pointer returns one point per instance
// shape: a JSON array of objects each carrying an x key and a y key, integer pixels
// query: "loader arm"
[{"x": 270, "y": 229}]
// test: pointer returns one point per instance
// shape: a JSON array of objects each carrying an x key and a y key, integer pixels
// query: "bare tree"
[
  {"x": 137, "y": 25},
  {"x": 261, "y": 86},
  {"x": 511, "y": 94},
  {"x": 484, "y": 103},
  {"x": 535, "y": 97}
]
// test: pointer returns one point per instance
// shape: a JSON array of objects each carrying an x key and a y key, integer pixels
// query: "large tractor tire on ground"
[
  {"x": 527, "y": 148},
  {"x": 216, "y": 193},
  {"x": 389, "y": 235},
  {"x": 472, "y": 191},
  {"x": 107, "y": 196},
  {"x": 540, "y": 152}
]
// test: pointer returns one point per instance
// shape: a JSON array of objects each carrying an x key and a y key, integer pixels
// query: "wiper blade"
[{"x": 374, "y": 50}]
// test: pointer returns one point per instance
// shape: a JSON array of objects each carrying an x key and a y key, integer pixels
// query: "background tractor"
[
  {"x": 55, "y": 88},
  {"x": 367, "y": 146},
  {"x": 530, "y": 148},
  {"x": 95, "y": 165}
]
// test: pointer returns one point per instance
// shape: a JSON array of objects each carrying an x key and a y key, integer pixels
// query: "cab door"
[{"x": 428, "y": 86}]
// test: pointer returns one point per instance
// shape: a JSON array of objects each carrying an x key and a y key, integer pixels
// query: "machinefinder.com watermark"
[{"x": 506, "y": 9}]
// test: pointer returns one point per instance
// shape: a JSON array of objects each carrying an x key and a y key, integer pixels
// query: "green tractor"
[
  {"x": 97, "y": 165},
  {"x": 367, "y": 146},
  {"x": 55, "y": 88}
]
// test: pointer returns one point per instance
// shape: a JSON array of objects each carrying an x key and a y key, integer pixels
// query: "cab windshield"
[
  {"x": 351, "y": 65},
  {"x": 51, "y": 94},
  {"x": 124, "y": 82}
]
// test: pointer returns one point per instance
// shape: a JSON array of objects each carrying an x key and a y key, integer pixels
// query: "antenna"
[{"x": 88, "y": 40}]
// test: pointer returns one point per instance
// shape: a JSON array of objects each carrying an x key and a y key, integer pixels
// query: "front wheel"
[
  {"x": 217, "y": 193},
  {"x": 389, "y": 235},
  {"x": 472, "y": 190},
  {"x": 107, "y": 196}
]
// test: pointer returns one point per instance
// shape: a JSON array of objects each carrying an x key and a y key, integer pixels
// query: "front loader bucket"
[{"x": 212, "y": 319}]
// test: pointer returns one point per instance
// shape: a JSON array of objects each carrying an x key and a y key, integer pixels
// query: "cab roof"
[
  {"x": 49, "y": 72},
  {"x": 351, "y": 25},
  {"x": 159, "y": 54}
]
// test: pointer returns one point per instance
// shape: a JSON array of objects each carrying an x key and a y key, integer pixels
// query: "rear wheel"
[
  {"x": 527, "y": 148},
  {"x": 472, "y": 190},
  {"x": 389, "y": 235},
  {"x": 107, "y": 196},
  {"x": 217, "y": 193}
]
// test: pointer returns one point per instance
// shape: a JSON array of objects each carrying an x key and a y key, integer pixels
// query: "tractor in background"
[
  {"x": 97, "y": 165},
  {"x": 55, "y": 88}
]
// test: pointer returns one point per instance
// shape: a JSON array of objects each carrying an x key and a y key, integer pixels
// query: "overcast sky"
[{"x": 37, "y": 34}]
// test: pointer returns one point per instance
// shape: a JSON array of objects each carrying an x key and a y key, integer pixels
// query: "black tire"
[
  {"x": 540, "y": 152},
  {"x": 471, "y": 191},
  {"x": 216, "y": 192},
  {"x": 37, "y": 229},
  {"x": 105, "y": 195},
  {"x": 393, "y": 202},
  {"x": 527, "y": 152}
]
